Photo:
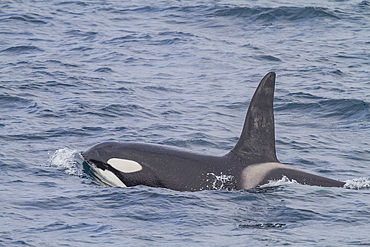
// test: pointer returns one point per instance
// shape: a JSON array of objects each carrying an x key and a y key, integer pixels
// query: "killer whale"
[{"x": 251, "y": 163}]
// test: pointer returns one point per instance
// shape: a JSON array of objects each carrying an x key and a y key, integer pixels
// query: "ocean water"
[{"x": 182, "y": 73}]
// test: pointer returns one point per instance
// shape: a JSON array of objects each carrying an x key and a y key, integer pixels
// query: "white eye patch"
[{"x": 125, "y": 166}]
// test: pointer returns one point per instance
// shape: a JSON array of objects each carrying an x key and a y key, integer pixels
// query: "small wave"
[
  {"x": 268, "y": 58},
  {"x": 345, "y": 107},
  {"x": 79, "y": 3},
  {"x": 31, "y": 18},
  {"x": 280, "y": 13},
  {"x": 337, "y": 108},
  {"x": 57, "y": 62},
  {"x": 65, "y": 159},
  {"x": 129, "y": 38},
  {"x": 167, "y": 41},
  {"x": 129, "y": 110},
  {"x": 364, "y": 3},
  {"x": 176, "y": 34},
  {"x": 21, "y": 49},
  {"x": 262, "y": 225},
  {"x": 159, "y": 89},
  {"x": 10, "y": 101},
  {"x": 358, "y": 183},
  {"x": 104, "y": 70},
  {"x": 302, "y": 95},
  {"x": 81, "y": 33}
]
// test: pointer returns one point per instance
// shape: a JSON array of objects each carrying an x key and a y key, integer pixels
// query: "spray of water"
[
  {"x": 65, "y": 159},
  {"x": 358, "y": 183},
  {"x": 283, "y": 181}
]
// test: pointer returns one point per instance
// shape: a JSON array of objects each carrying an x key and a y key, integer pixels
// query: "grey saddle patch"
[{"x": 254, "y": 175}]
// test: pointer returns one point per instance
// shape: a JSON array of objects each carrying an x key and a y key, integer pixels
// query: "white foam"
[
  {"x": 220, "y": 181},
  {"x": 358, "y": 183},
  {"x": 65, "y": 159},
  {"x": 283, "y": 181}
]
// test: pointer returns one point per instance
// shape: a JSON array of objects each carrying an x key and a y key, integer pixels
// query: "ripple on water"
[
  {"x": 280, "y": 13},
  {"x": 22, "y": 49}
]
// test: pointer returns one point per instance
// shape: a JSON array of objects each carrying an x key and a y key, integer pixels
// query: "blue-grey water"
[{"x": 182, "y": 73}]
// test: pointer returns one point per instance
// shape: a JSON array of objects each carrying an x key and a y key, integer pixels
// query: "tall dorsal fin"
[{"x": 257, "y": 141}]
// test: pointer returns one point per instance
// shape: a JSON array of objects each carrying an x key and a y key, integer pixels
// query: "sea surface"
[{"x": 182, "y": 73}]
